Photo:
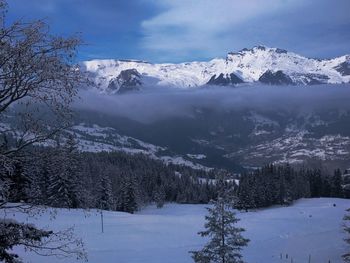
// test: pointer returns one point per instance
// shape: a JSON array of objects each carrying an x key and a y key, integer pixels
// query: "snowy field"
[{"x": 309, "y": 227}]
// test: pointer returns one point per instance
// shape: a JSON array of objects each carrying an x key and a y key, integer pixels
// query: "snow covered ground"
[{"x": 309, "y": 227}]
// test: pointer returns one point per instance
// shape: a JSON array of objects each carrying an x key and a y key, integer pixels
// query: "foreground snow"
[{"x": 309, "y": 227}]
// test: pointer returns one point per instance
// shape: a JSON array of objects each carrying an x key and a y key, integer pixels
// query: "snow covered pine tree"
[
  {"x": 104, "y": 194},
  {"x": 225, "y": 239},
  {"x": 64, "y": 189}
]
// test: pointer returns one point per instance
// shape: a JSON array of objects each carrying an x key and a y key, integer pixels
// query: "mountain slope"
[
  {"x": 247, "y": 65},
  {"x": 127, "y": 80},
  {"x": 229, "y": 139}
]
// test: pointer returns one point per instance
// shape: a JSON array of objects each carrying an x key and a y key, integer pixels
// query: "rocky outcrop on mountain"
[
  {"x": 275, "y": 78},
  {"x": 128, "y": 80},
  {"x": 224, "y": 80},
  {"x": 311, "y": 79},
  {"x": 343, "y": 68}
]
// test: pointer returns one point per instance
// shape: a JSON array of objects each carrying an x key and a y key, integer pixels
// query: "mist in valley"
[{"x": 156, "y": 104}]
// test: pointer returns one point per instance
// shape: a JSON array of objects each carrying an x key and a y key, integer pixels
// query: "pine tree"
[
  {"x": 64, "y": 188},
  {"x": 19, "y": 183},
  {"x": 104, "y": 194},
  {"x": 336, "y": 184},
  {"x": 43, "y": 167},
  {"x": 59, "y": 185},
  {"x": 203, "y": 194},
  {"x": 347, "y": 230},
  {"x": 316, "y": 183},
  {"x": 34, "y": 192},
  {"x": 159, "y": 196},
  {"x": 71, "y": 158},
  {"x": 246, "y": 192},
  {"x": 5, "y": 170},
  {"x": 226, "y": 241},
  {"x": 129, "y": 195}
]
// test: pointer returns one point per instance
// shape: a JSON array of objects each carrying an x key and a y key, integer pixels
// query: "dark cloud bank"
[{"x": 161, "y": 103}]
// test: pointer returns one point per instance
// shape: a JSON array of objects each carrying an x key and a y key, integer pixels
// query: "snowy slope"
[
  {"x": 309, "y": 227},
  {"x": 247, "y": 64},
  {"x": 106, "y": 139},
  {"x": 98, "y": 139}
]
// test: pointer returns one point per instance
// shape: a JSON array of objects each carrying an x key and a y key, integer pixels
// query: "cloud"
[
  {"x": 164, "y": 103},
  {"x": 206, "y": 28},
  {"x": 186, "y": 26},
  {"x": 186, "y": 30}
]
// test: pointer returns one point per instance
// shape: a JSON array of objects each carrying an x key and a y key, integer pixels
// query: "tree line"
[
  {"x": 61, "y": 176},
  {"x": 282, "y": 184}
]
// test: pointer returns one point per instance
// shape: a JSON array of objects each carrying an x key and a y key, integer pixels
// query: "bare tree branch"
[{"x": 38, "y": 76}]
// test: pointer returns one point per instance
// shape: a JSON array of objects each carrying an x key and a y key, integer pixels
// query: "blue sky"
[{"x": 186, "y": 30}]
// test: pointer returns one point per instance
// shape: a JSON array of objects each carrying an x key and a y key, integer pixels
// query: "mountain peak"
[
  {"x": 257, "y": 49},
  {"x": 246, "y": 65}
]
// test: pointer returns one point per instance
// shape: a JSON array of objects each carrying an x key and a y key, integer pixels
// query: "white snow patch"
[
  {"x": 197, "y": 156},
  {"x": 181, "y": 161}
]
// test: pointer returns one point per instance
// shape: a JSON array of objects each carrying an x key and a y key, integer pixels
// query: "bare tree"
[
  {"x": 37, "y": 71},
  {"x": 38, "y": 82}
]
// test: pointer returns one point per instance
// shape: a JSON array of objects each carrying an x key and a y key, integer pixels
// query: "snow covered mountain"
[{"x": 259, "y": 64}]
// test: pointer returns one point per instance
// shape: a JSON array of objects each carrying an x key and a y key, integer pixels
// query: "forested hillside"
[
  {"x": 63, "y": 177},
  {"x": 281, "y": 185}
]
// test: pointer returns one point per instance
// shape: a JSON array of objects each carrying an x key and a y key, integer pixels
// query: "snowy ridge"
[
  {"x": 248, "y": 65},
  {"x": 97, "y": 139},
  {"x": 106, "y": 139},
  {"x": 296, "y": 148}
]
